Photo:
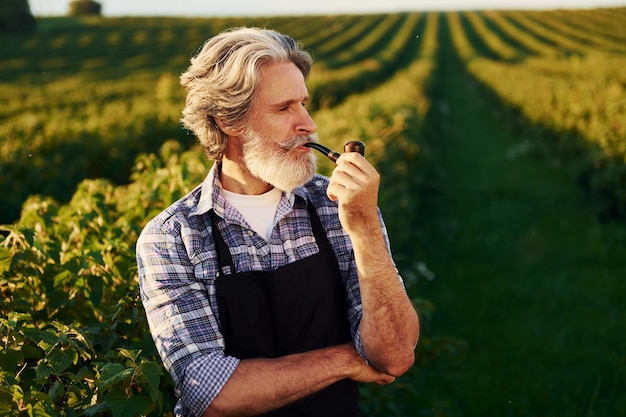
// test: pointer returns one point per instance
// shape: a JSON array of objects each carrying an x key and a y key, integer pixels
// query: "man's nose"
[{"x": 306, "y": 124}]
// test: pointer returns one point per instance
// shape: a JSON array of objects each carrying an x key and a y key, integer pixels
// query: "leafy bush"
[{"x": 75, "y": 339}]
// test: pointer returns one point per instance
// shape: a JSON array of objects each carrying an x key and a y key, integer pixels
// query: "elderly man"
[{"x": 270, "y": 288}]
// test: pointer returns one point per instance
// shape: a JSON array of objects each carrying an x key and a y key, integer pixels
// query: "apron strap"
[{"x": 221, "y": 249}]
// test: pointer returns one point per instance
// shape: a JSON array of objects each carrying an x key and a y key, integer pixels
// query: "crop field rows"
[
  {"x": 98, "y": 90},
  {"x": 91, "y": 149}
]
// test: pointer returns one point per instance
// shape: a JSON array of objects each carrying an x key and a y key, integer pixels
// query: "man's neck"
[{"x": 237, "y": 179}]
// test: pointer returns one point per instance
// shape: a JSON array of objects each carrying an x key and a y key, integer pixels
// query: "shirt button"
[
  {"x": 168, "y": 313},
  {"x": 318, "y": 183},
  {"x": 250, "y": 233}
]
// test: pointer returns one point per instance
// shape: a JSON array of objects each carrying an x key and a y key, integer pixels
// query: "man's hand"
[
  {"x": 354, "y": 183},
  {"x": 360, "y": 371}
]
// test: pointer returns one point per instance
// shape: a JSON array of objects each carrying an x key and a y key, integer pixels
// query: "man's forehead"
[{"x": 282, "y": 83}]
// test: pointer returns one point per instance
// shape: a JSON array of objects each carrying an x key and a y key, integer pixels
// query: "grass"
[{"x": 525, "y": 274}]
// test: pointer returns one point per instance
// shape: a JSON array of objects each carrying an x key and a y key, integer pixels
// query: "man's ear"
[{"x": 229, "y": 130}]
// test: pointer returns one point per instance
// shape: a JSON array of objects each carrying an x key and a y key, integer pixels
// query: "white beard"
[{"x": 279, "y": 168}]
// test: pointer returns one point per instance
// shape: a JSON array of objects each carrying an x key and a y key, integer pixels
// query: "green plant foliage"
[{"x": 74, "y": 334}]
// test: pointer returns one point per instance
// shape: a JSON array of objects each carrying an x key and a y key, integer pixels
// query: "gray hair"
[{"x": 223, "y": 78}]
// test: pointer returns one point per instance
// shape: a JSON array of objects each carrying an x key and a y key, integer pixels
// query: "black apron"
[{"x": 296, "y": 308}]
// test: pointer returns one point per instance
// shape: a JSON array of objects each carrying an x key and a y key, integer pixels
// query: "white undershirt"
[{"x": 258, "y": 210}]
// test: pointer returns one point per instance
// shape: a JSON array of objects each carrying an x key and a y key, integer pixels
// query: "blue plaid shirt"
[{"x": 177, "y": 269}]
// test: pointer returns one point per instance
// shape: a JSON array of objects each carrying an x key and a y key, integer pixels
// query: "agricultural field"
[{"x": 501, "y": 142}]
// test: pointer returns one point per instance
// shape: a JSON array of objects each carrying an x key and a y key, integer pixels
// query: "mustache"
[{"x": 298, "y": 141}]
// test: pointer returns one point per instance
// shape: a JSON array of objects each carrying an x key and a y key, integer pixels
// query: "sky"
[{"x": 208, "y": 8}]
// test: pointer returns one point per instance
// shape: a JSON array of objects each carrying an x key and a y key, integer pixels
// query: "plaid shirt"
[{"x": 177, "y": 269}]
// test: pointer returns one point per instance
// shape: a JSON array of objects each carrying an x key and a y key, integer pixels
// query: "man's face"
[{"x": 278, "y": 126}]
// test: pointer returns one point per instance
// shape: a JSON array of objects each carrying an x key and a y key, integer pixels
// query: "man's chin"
[
  {"x": 292, "y": 179},
  {"x": 289, "y": 186},
  {"x": 286, "y": 176}
]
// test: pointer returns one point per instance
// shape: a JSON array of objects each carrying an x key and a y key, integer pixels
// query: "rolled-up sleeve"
[{"x": 179, "y": 313}]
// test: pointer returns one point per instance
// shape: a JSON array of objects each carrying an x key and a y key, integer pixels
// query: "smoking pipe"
[{"x": 352, "y": 146}]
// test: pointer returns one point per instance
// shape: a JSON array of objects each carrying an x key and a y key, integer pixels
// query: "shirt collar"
[{"x": 210, "y": 192}]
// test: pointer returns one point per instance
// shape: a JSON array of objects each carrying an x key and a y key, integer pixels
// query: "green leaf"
[
  {"x": 96, "y": 409},
  {"x": 84, "y": 373},
  {"x": 17, "y": 320},
  {"x": 133, "y": 355},
  {"x": 18, "y": 393},
  {"x": 60, "y": 360},
  {"x": 126, "y": 407},
  {"x": 41, "y": 409},
  {"x": 10, "y": 359},
  {"x": 5, "y": 260},
  {"x": 63, "y": 277},
  {"x": 70, "y": 412},
  {"x": 112, "y": 374},
  {"x": 48, "y": 340},
  {"x": 56, "y": 391},
  {"x": 7, "y": 381},
  {"x": 43, "y": 371},
  {"x": 151, "y": 372},
  {"x": 96, "y": 286},
  {"x": 31, "y": 351},
  {"x": 6, "y": 409},
  {"x": 33, "y": 334}
]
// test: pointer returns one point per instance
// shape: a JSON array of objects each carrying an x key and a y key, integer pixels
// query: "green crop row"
[
  {"x": 571, "y": 91},
  {"x": 329, "y": 87},
  {"x": 367, "y": 44},
  {"x": 337, "y": 35},
  {"x": 71, "y": 129},
  {"x": 520, "y": 39},
  {"x": 587, "y": 38}
]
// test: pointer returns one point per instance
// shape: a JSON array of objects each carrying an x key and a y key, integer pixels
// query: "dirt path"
[{"x": 524, "y": 274}]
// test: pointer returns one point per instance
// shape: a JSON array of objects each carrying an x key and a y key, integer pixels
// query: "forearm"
[
  {"x": 389, "y": 324},
  {"x": 389, "y": 327},
  {"x": 261, "y": 385}
]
